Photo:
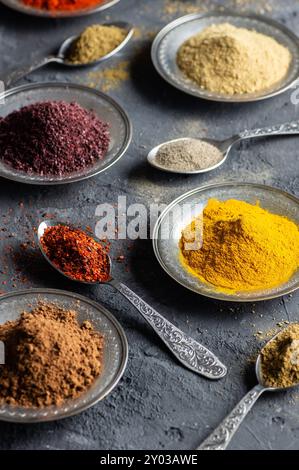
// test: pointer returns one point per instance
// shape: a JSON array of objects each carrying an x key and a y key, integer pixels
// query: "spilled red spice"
[
  {"x": 52, "y": 138},
  {"x": 62, "y": 5},
  {"x": 76, "y": 254}
]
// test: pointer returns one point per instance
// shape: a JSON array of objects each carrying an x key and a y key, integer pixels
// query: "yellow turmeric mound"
[{"x": 243, "y": 248}]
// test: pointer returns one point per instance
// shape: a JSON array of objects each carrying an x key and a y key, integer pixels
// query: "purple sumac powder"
[{"x": 52, "y": 138}]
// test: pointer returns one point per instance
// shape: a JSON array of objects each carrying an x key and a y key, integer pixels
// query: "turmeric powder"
[{"x": 244, "y": 247}]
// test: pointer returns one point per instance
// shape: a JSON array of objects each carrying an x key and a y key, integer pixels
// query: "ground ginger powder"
[
  {"x": 229, "y": 60},
  {"x": 243, "y": 247},
  {"x": 280, "y": 358}
]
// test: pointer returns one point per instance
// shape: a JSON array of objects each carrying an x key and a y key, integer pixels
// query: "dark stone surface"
[{"x": 158, "y": 404}]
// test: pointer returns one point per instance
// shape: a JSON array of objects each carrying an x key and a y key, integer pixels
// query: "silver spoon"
[
  {"x": 62, "y": 55},
  {"x": 221, "y": 437},
  {"x": 224, "y": 146},
  {"x": 189, "y": 352}
]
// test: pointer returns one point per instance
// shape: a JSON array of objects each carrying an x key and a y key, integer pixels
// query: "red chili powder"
[
  {"x": 76, "y": 254},
  {"x": 62, "y": 5},
  {"x": 52, "y": 138}
]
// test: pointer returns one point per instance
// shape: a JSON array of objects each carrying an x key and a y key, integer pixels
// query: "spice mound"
[
  {"x": 188, "y": 155},
  {"x": 62, "y": 5},
  {"x": 76, "y": 254},
  {"x": 95, "y": 42},
  {"x": 52, "y": 138},
  {"x": 280, "y": 358},
  {"x": 49, "y": 357},
  {"x": 229, "y": 60},
  {"x": 237, "y": 246}
]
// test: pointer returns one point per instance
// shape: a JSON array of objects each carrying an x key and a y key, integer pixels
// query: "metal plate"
[
  {"x": 104, "y": 106},
  {"x": 115, "y": 353},
  {"x": 172, "y": 36},
  {"x": 181, "y": 212},
  {"x": 19, "y": 6}
]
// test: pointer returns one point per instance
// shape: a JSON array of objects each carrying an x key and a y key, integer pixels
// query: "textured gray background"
[{"x": 158, "y": 404}]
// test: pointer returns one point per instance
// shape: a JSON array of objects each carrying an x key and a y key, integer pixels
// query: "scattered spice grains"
[
  {"x": 188, "y": 155},
  {"x": 110, "y": 78},
  {"x": 181, "y": 7},
  {"x": 173, "y": 7},
  {"x": 266, "y": 335},
  {"x": 53, "y": 138},
  {"x": 261, "y": 6},
  {"x": 229, "y": 60},
  {"x": 62, "y": 5},
  {"x": 49, "y": 357},
  {"x": 76, "y": 254},
  {"x": 280, "y": 358},
  {"x": 95, "y": 42}
]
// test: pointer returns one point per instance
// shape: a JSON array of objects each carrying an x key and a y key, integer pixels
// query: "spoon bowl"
[
  {"x": 62, "y": 55},
  {"x": 53, "y": 223},
  {"x": 220, "y": 438},
  {"x": 65, "y": 47},
  {"x": 224, "y": 146},
  {"x": 259, "y": 372},
  {"x": 188, "y": 352}
]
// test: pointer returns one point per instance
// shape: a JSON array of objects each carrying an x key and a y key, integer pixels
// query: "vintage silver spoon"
[
  {"x": 189, "y": 352},
  {"x": 61, "y": 56},
  {"x": 224, "y": 146},
  {"x": 221, "y": 437}
]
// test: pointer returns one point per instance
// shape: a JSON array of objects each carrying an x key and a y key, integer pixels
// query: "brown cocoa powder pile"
[{"x": 49, "y": 357}]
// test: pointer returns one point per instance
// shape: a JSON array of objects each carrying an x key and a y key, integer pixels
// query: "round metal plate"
[
  {"x": 172, "y": 36},
  {"x": 115, "y": 353},
  {"x": 21, "y": 7},
  {"x": 184, "y": 209},
  {"x": 104, "y": 106}
]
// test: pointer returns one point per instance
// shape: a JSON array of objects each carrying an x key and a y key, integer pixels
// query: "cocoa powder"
[{"x": 49, "y": 357}]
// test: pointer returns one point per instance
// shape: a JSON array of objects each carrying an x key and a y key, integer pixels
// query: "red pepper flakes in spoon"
[
  {"x": 62, "y": 5},
  {"x": 76, "y": 254}
]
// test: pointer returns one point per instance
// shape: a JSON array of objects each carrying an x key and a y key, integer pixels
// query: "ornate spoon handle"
[
  {"x": 221, "y": 437},
  {"x": 189, "y": 352},
  {"x": 26, "y": 70},
  {"x": 280, "y": 129}
]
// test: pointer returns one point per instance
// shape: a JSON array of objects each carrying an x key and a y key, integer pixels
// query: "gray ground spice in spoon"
[{"x": 188, "y": 155}]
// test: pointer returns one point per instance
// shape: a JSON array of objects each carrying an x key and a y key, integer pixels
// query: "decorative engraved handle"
[
  {"x": 189, "y": 352},
  {"x": 26, "y": 70},
  {"x": 221, "y": 437},
  {"x": 280, "y": 129}
]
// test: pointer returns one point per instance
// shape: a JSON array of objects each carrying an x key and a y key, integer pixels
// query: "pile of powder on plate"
[
  {"x": 95, "y": 42},
  {"x": 229, "y": 60},
  {"x": 52, "y": 138},
  {"x": 280, "y": 358},
  {"x": 188, "y": 155},
  {"x": 237, "y": 246},
  {"x": 49, "y": 357}
]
